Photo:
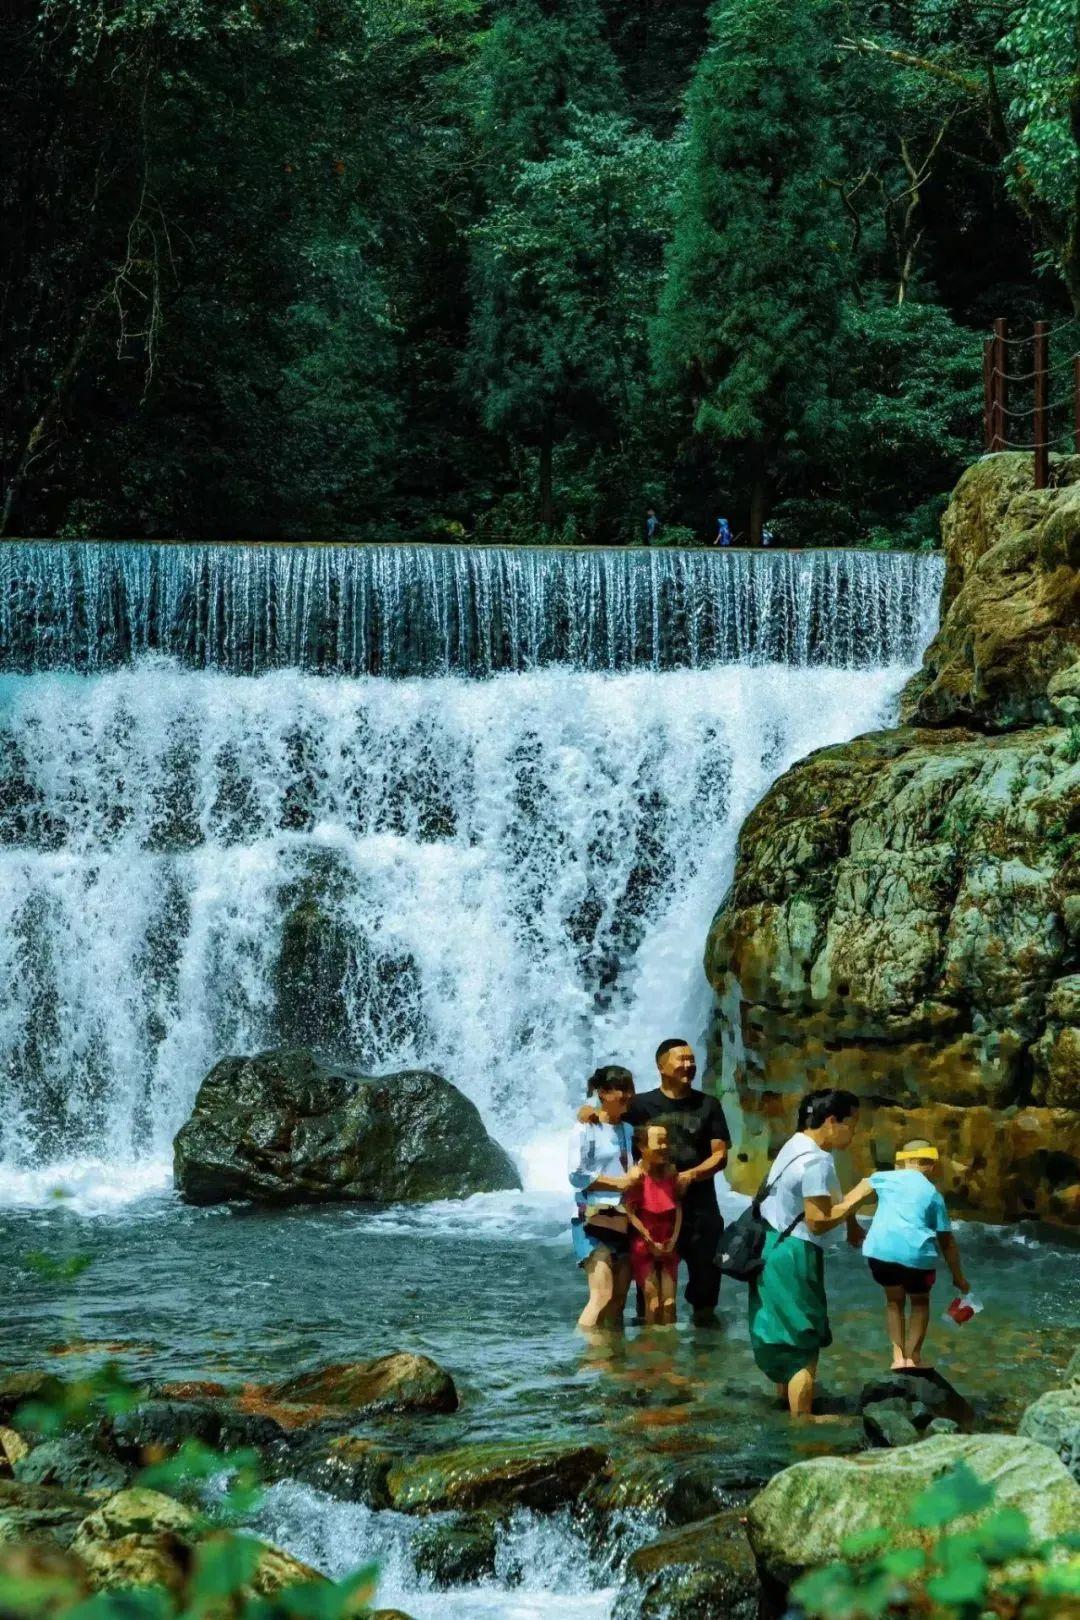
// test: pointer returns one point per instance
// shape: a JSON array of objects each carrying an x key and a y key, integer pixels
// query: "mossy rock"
[
  {"x": 1054, "y": 1420},
  {"x": 399, "y": 1382},
  {"x": 288, "y": 1127},
  {"x": 670, "y": 1490},
  {"x": 698, "y": 1572},
  {"x": 349, "y": 1468},
  {"x": 540, "y": 1475},
  {"x": 32, "y": 1385},
  {"x": 215, "y": 1421},
  {"x": 457, "y": 1552},
  {"x": 73, "y": 1462},
  {"x": 40, "y": 1513},
  {"x": 143, "y": 1538},
  {"x": 803, "y": 1516}
]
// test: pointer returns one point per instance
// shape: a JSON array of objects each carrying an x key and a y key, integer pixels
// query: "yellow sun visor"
[{"x": 906, "y": 1155}]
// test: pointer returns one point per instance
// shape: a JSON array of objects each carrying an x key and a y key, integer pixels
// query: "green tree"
[
  {"x": 753, "y": 303},
  {"x": 568, "y": 267},
  {"x": 542, "y": 67}
]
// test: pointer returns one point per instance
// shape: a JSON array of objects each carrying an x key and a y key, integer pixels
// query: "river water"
[{"x": 510, "y": 783}]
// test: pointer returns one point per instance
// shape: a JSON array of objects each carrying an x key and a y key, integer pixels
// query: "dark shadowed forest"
[{"x": 522, "y": 269}]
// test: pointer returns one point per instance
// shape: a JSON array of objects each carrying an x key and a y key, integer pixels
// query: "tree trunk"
[{"x": 546, "y": 495}]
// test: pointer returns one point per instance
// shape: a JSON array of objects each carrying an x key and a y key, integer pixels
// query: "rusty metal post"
[
  {"x": 1041, "y": 435},
  {"x": 988, "y": 394},
  {"x": 1001, "y": 385}
]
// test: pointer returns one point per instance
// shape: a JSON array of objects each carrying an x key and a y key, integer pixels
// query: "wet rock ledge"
[{"x": 904, "y": 918}]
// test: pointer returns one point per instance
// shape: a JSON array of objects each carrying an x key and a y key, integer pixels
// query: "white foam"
[
  {"x": 85, "y": 1186},
  {"x": 520, "y": 872}
]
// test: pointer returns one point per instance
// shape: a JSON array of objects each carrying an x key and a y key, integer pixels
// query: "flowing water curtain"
[
  {"x": 506, "y": 879},
  {"x": 407, "y": 610}
]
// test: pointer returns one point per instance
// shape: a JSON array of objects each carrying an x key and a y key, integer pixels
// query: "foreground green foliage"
[
  {"x": 996, "y": 1568},
  {"x": 518, "y": 267}
]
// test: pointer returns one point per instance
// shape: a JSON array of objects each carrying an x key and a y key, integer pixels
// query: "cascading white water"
[{"x": 507, "y": 879}]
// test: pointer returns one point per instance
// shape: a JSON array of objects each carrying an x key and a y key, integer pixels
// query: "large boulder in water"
[
  {"x": 693, "y": 1573},
  {"x": 288, "y": 1127},
  {"x": 904, "y": 917},
  {"x": 804, "y": 1515},
  {"x": 538, "y": 1474}
]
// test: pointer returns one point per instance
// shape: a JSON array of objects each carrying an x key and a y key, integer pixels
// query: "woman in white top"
[
  {"x": 601, "y": 1166},
  {"x": 789, "y": 1312}
]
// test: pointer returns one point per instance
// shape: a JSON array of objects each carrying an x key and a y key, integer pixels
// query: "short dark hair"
[
  {"x": 818, "y": 1106},
  {"x": 669, "y": 1046},
  {"x": 609, "y": 1077}
]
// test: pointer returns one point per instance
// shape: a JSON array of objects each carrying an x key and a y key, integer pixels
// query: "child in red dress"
[{"x": 652, "y": 1203}]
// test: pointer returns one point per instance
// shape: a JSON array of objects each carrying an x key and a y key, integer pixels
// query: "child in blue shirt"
[{"x": 910, "y": 1229}]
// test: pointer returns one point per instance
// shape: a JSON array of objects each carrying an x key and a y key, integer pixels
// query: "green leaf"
[
  {"x": 1006, "y": 1534},
  {"x": 904, "y": 1562},
  {"x": 951, "y": 1497},
  {"x": 962, "y": 1584},
  {"x": 224, "y": 1565},
  {"x": 864, "y": 1542}
]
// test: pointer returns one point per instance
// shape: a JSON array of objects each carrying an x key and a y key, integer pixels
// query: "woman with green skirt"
[{"x": 789, "y": 1311}]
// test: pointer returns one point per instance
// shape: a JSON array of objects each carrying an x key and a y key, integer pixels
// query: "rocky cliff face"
[{"x": 904, "y": 918}]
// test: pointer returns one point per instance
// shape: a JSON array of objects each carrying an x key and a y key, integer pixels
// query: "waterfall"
[
  {"x": 431, "y": 610},
  {"x": 507, "y": 879}
]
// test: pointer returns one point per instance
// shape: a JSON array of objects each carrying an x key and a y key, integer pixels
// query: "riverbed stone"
[
  {"x": 163, "y": 1425},
  {"x": 40, "y": 1513},
  {"x": 920, "y": 1396},
  {"x": 887, "y": 1423},
  {"x": 75, "y": 1462},
  {"x": 541, "y": 1475},
  {"x": 457, "y": 1552},
  {"x": 141, "y": 1537},
  {"x": 697, "y": 1572},
  {"x": 13, "y": 1448},
  {"x": 349, "y": 1467},
  {"x": 904, "y": 912},
  {"x": 803, "y": 1516},
  {"x": 1054, "y": 1420},
  {"x": 287, "y": 1127},
  {"x": 398, "y": 1382},
  {"x": 26, "y": 1386}
]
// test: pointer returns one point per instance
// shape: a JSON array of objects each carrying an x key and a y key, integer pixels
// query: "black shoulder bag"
[{"x": 741, "y": 1251}]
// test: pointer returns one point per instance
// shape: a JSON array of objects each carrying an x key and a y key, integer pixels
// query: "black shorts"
[{"x": 890, "y": 1275}]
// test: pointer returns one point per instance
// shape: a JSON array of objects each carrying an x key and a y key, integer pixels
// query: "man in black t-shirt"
[{"x": 699, "y": 1139}]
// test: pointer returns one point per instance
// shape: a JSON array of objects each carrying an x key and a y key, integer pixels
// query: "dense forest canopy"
[{"x": 520, "y": 268}]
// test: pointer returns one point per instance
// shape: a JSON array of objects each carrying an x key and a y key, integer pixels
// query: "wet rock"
[
  {"x": 942, "y": 1426},
  {"x": 221, "y": 1423},
  {"x": 887, "y": 1423},
  {"x": 802, "y": 1517},
  {"x": 398, "y": 1382},
  {"x": 668, "y": 1490},
  {"x": 13, "y": 1448},
  {"x": 350, "y": 1468},
  {"x": 697, "y": 1572},
  {"x": 74, "y": 1462},
  {"x": 21, "y": 1388},
  {"x": 905, "y": 910},
  {"x": 458, "y": 1552},
  {"x": 542, "y": 1475},
  {"x": 920, "y": 1396},
  {"x": 40, "y": 1513},
  {"x": 287, "y": 1127},
  {"x": 1054, "y": 1420},
  {"x": 143, "y": 1538}
]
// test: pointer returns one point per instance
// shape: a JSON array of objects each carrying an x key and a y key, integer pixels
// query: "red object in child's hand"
[{"x": 960, "y": 1310}]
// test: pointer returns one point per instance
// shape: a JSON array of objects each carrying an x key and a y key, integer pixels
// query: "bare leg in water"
[
  {"x": 800, "y": 1390},
  {"x": 599, "y": 1273},
  {"x": 894, "y": 1321},
  {"x": 917, "y": 1326}
]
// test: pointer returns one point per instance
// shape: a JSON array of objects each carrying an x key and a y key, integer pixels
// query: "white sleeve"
[
  {"x": 818, "y": 1176},
  {"x": 580, "y": 1160}
]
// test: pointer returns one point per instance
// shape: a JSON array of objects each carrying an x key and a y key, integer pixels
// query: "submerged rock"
[
  {"x": 904, "y": 918},
  {"x": 287, "y": 1127},
  {"x": 920, "y": 1396},
  {"x": 698, "y": 1572},
  {"x": 349, "y": 1467},
  {"x": 541, "y": 1475},
  {"x": 803, "y": 1516}
]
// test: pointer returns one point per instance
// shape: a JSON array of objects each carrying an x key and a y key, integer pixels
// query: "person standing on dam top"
[{"x": 652, "y": 527}]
